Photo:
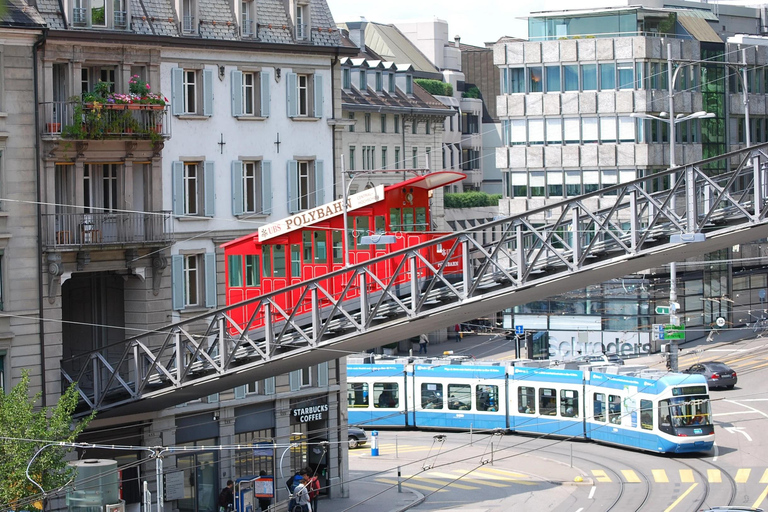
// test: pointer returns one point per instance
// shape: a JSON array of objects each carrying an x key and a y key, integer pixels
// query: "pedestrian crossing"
[
  {"x": 389, "y": 449},
  {"x": 685, "y": 476},
  {"x": 441, "y": 481}
]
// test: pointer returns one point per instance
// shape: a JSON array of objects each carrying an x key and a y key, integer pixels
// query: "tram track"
[{"x": 705, "y": 481}]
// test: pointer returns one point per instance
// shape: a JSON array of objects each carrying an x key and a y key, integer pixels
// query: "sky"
[{"x": 476, "y": 21}]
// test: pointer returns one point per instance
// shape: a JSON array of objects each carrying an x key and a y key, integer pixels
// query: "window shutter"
[
  {"x": 293, "y": 186},
  {"x": 237, "y": 187},
  {"x": 209, "y": 185},
  {"x": 207, "y": 92},
  {"x": 319, "y": 184},
  {"x": 177, "y": 177},
  {"x": 177, "y": 91},
  {"x": 210, "y": 279},
  {"x": 293, "y": 106},
  {"x": 265, "y": 82},
  {"x": 295, "y": 378},
  {"x": 236, "y": 78},
  {"x": 269, "y": 386},
  {"x": 318, "y": 89},
  {"x": 177, "y": 281},
  {"x": 266, "y": 187},
  {"x": 240, "y": 392},
  {"x": 322, "y": 374}
]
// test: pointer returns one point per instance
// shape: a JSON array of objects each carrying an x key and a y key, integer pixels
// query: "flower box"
[{"x": 53, "y": 127}]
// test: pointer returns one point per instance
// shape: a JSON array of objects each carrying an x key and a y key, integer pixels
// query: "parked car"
[
  {"x": 600, "y": 358},
  {"x": 718, "y": 375},
  {"x": 357, "y": 436}
]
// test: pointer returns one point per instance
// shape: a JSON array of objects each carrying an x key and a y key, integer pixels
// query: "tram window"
[
  {"x": 385, "y": 395},
  {"x": 235, "y": 268},
  {"x": 487, "y": 398},
  {"x": 665, "y": 418},
  {"x": 357, "y": 394},
  {"x": 431, "y": 396},
  {"x": 547, "y": 402},
  {"x": 394, "y": 219},
  {"x": 526, "y": 400},
  {"x": 279, "y": 262},
  {"x": 321, "y": 247},
  {"x": 614, "y": 409},
  {"x": 267, "y": 260},
  {"x": 408, "y": 219},
  {"x": 295, "y": 260},
  {"x": 306, "y": 238},
  {"x": 569, "y": 403},
  {"x": 646, "y": 414},
  {"x": 362, "y": 228},
  {"x": 252, "y": 270},
  {"x": 421, "y": 219},
  {"x": 337, "y": 249},
  {"x": 687, "y": 411},
  {"x": 380, "y": 226},
  {"x": 459, "y": 397},
  {"x": 599, "y": 406}
]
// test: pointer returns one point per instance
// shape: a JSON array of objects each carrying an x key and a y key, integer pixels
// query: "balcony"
[
  {"x": 76, "y": 231},
  {"x": 98, "y": 121}
]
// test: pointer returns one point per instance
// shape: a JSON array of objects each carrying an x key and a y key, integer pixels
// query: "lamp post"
[{"x": 672, "y": 119}]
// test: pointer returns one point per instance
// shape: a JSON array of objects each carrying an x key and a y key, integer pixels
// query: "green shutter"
[
  {"x": 293, "y": 186},
  {"x": 177, "y": 91},
  {"x": 210, "y": 280},
  {"x": 265, "y": 83},
  {"x": 236, "y": 78},
  {"x": 177, "y": 282},
  {"x": 207, "y": 92},
  {"x": 291, "y": 100},
  {"x": 318, "y": 89},
  {"x": 209, "y": 186},
  {"x": 319, "y": 183},
  {"x": 266, "y": 187},
  {"x": 237, "y": 187},
  {"x": 177, "y": 180}
]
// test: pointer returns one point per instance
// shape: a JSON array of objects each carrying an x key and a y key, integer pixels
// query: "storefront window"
[{"x": 200, "y": 478}]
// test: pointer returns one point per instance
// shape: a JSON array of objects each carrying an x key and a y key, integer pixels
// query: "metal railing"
[
  {"x": 121, "y": 19},
  {"x": 103, "y": 121},
  {"x": 301, "y": 31},
  {"x": 533, "y": 255},
  {"x": 74, "y": 230},
  {"x": 247, "y": 28},
  {"x": 188, "y": 25},
  {"x": 79, "y": 16}
]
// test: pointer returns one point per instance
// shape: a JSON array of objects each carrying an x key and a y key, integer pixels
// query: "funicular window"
[
  {"x": 362, "y": 228},
  {"x": 526, "y": 400},
  {"x": 279, "y": 261},
  {"x": 431, "y": 396},
  {"x": 357, "y": 394},
  {"x": 295, "y": 260},
  {"x": 421, "y": 219},
  {"x": 547, "y": 402},
  {"x": 646, "y": 414},
  {"x": 614, "y": 409},
  {"x": 459, "y": 397},
  {"x": 266, "y": 270},
  {"x": 487, "y": 398},
  {"x": 337, "y": 248},
  {"x": 569, "y": 403},
  {"x": 235, "y": 269},
  {"x": 252, "y": 270},
  {"x": 394, "y": 219},
  {"x": 306, "y": 238},
  {"x": 380, "y": 226},
  {"x": 321, "y": 247},
  {"x": 385, "y": 395},
  {"x": 408, "y": 219},
  {"x": 599, "y": 406}
]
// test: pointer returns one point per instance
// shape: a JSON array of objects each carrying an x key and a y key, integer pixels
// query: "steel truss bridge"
[{"x": 585, "y": 240}]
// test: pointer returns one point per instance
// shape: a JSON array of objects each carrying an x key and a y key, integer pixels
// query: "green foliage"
[
  {"x": 471, "y": 200},
  {"x": 23, "y": 431},
  {"x": 668, "y": 25},
  {"x": 472, "y": 92},
  {"x": 435, "y": 87}
]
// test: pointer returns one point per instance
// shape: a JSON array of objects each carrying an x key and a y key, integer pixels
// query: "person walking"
[
  {"x": 313, "y": 486},
  {"x": 301, "y": 493},
  {"x": 264, "y": 503},
  {"x": 423, "y": 341},
  {"x": 457, "y": 332},
  {"x": 227, "y": 497}
]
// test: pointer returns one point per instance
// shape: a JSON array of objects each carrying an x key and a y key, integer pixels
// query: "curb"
[{"x": 415, "y": 503}]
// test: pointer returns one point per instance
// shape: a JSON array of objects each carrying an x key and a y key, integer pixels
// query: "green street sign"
[
  {"x": 662, "y": 310},
  {"x": 674, "y": 332}
]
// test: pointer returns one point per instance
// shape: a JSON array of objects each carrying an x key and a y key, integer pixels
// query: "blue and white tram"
[{"x": 658, "y": 412}]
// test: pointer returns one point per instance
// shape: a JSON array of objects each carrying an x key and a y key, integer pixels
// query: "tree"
[{"x": 23, "y": 431}]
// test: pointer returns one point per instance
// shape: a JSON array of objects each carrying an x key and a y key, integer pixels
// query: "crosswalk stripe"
[
  {"x": 660, "y": 476},
  {"x": 630, "y": 476},
  {"x": 485, "y": 477},
  {"x": 600, "y": 475},
  {"x": 410, "y": 484},
  {"x": 742, "y": 476},
  {"x": 477, "y": 481},
  {"x": 450, "y": 483},
  {"x": 502, "y": 472},
  {"x": 764, "y": 479},
  {"x": 686, "y": 476},
  {"x": 714, "y": 476}
]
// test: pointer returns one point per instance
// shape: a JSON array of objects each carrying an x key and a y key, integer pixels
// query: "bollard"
[
  {"x": 399, "y": 480},
  {"x": 397, "y": 449},
  {"x": 375, "y": 443}
]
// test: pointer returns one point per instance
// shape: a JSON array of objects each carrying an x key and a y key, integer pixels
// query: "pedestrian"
[
  {"x": 457, "y": 332},
  {"x": 227, "y": 497},
  {"x": 423, "y": 340},
  {"x": 264, "y": 503},
  {"x": 301, "y": 493},
  {"x": 314, "y": 489}
]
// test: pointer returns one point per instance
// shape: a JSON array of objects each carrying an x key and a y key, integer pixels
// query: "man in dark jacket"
[{"x": 227, "y": 497}]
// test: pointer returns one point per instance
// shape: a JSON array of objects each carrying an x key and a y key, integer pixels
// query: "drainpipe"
[{"x": 35, "y": 48}]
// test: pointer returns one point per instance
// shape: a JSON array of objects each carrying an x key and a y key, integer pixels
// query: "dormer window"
[
  {"x": 391, "y": 82},
  {"x": 301, "y": 22},
  {"x": 378, "y": 81},
  {"x": 246, "y": 18},
  {"x": 408, "y": 84},
  {"x": 346, "y": 79},
  {"x": 100, "y": 14},
  {"x": 363, "y": 81},
  {"x": 188, "y": 16}
]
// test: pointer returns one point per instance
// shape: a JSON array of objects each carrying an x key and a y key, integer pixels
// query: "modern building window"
[
  {"x": 607, "y": 77},
  {"x": 553, "y": 78},
  {"x": 305, "y": 95},
  {"x": 305, "y": 184},
  {"x": 571, "y": 77},
  {"x": 251, "y": 187},
  {"x": 555, "y": 183},
  {"x": 519, "y": 184},
  {"x": 572, "y": 130},
  {"x": 516, "y": 80},
  {"x": 535, "y": 79},
  {"x": 536, "y": 131},
  {"x": 572, "y": 183},
  {"x": 589, "y": 130},
  {"x": 626, "y": 75},
  {"x": 250, "y": 93},
  {"x": 554, "y": 129},
  {"x": 246, "y": 18},
  {"x": 193, "y": 188},
  {"x": 607, "y": 129},
  {"x": 518, "y": 134},
  {"x": 192, "y": 91},
  {"x": 589, "y": 77},
  {"x": 194, "y": 280}
]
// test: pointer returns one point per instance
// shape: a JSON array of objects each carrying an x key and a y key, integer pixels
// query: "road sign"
[
  {"x": 674, "y": 332},
  {"x": 519, "y": 329},
  {"x": 662, "y": 310},
  {"x": 720, "y": 322}
]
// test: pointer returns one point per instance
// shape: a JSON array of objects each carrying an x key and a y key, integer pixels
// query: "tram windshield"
[{"x": 684, "y": 411}]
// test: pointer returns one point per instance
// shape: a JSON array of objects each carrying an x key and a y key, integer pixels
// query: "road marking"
[
  {"x": 592, "y": 493},
  {"x": 760, "y": 499},
  {"x": 682, "y": 496},
  {"x": 630, "y": 476},
  {"x": 408, "y": 483},
  {"x": 600, "y": 475},
  {"x": 740, "y": 430},
  {"x": 764, "y": 479},
  {"x": 660, "y": 476},
  {"x": 732, "y": 413},
  {"x": 443, "y": 482},
  {"x": 476, "y": 481},
  {"x": 714, "y": 476},
  {"x": 742, "y": 476},
  {"x": 503, "y": 472},
  {"x": 686, "y": 476},
  {"x": 748, "y": 407},
  {"x": 717, "y": 452},
  {"x": 488, "y": 478}
]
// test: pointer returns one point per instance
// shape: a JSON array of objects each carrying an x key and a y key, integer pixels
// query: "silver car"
[{"x": 718, "y": 375}]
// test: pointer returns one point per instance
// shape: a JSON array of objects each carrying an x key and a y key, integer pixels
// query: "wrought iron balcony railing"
[
  {"x": 94, "y": 121},
  {"x": 75, "y": 230}
]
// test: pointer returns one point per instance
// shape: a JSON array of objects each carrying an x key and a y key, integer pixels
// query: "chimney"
[
  {"x": 457, "y": 41},
  {"x": 357, "y": 33}
]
